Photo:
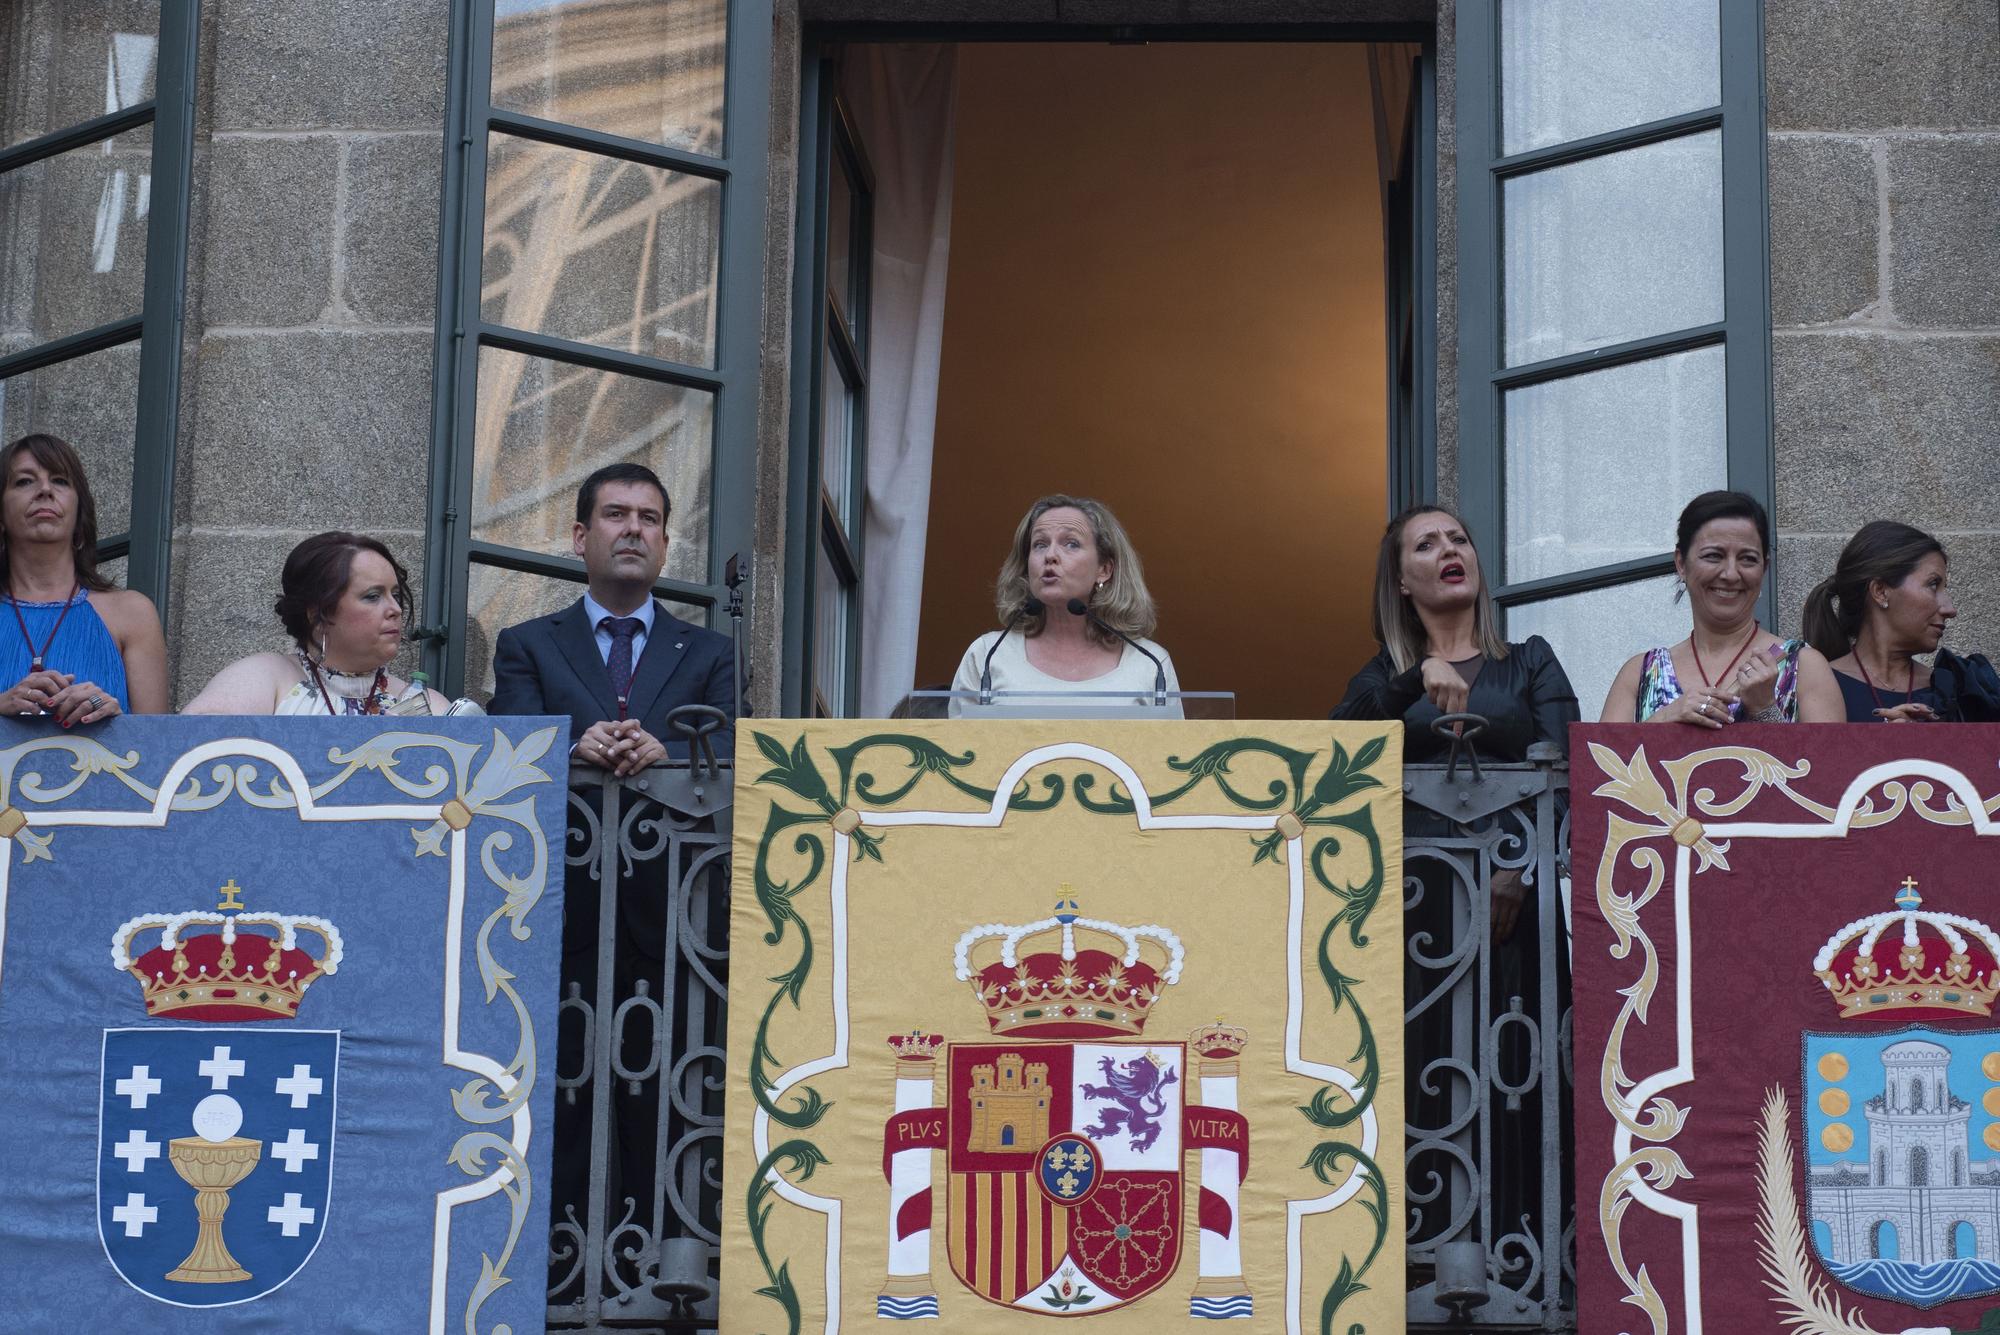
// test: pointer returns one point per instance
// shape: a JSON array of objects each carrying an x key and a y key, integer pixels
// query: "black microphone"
[
  {"x": 1079, "y": 608},
  {"x": 1030, "y": 608}
]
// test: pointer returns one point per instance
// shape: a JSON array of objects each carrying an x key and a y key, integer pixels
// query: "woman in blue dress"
[
  {"x": 75, "y": 646},
  {"x": 1886, "y": 602}
]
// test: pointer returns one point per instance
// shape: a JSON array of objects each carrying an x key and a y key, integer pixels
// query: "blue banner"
[{"x": 277, "y": 1013}]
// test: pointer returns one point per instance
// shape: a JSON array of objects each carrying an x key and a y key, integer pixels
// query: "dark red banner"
[{"x": 1785, "y": 964}]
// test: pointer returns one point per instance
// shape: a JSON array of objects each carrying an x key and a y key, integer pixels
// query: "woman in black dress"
[
  {"x": 1886, "y": 602},
  {"x": 1442, "y": 654}
]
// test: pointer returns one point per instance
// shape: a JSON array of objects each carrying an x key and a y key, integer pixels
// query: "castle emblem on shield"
[
  {"x": 215, "y": 1144},
  {"x": 1065, "y": 1132},
  {"x": 1903, "y": 1124}
]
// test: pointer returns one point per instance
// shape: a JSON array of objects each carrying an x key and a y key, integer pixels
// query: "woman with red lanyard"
[
  {"x": 344, "y": 601},
  {"x": 76, "y": 647},
  {"x": 1729, "y": 669},
  {"x": 1886, "y": 602}
]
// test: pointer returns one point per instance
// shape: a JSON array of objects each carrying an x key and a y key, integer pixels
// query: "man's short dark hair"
[{"x": 586, "y": 495}]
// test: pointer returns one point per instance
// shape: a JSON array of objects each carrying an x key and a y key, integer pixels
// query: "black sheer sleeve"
[
  {"x": 1551, "y": 699},
  {"x": 1379, "y": 692}
]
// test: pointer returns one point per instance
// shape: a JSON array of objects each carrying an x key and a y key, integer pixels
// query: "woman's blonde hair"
[
  {"x": 1123, "y": 602},
  {"x": 1397, "y": 624}
]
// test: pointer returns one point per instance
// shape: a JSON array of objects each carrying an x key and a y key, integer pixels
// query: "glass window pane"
[
  {"x": 62, "y": 62},
  {"x": 601, "y": 250},
  {"x": 497, "y": 599},
  {"x": 840, "y": 240},
  {"x": 1614, "y": 248},
  {"x": 113, "y": 571},
  {"x": 1570, "y": 69},
  {"x": 1569, "y": 504},
  {"x": 545, "y": 426},
  {"x": 831, "y": 601},
  {"x": 836, "y": 456},
  {"x": 1594, "y": 633},
  {"x": 73, "y": 239},
  {"x": 93, "y": 403},
  {"x": 651, "y": 71}
]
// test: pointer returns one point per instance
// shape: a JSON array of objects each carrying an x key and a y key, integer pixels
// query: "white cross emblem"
[
  {"x": 293, "y": 1149},
  {"x": 292, "y": 1215},
  {"x": 138, "y": 1087},
  {"x": 135, "y": 1214},
  {"x": 301, "y": 1084},
  {"x": 219, "y": 1068},
  {"x": 136, "y": 1150}
]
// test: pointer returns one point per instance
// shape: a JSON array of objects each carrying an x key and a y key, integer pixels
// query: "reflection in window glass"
[
  {"x": 830, "y": 619},
  {"x": 74, "y": 231},
  {"x": 497, "y": 599},
  {"x": 1570, "y": 69},
  {"x": 67, "y": 62},
  {"x": 840, "y": 241},
  {"x": 93, "y": 403},
  {"x": 1613, "y": 248},
  {"x": 1569, "y": 504},
  {"x": 544, "y": 426},
  {"x": 601, "y": 250},
  {"x": 1594, "y": 633},
  {"x": 640, "y": 71},
  {"x": 836, "y": 466}
]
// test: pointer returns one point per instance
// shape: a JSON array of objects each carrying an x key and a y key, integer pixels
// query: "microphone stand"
[
  {"x": 1079, "y": 608},
  {"x": 1027, "y": 609}
]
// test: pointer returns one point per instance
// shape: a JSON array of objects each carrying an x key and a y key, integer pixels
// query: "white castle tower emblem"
[{"x": 1920, "y": 1182}]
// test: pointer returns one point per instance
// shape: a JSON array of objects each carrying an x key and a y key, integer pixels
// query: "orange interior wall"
[{"x": 1166, "y": 291}]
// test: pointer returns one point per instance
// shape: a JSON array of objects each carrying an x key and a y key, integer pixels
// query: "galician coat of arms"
[
  {"x": 1902, "y": 1107},
  {"x": 1065, "y": 1131},
  {"x": 215, "y": 1152}
]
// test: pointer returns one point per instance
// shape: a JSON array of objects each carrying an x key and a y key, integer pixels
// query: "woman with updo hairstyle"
[
  {"x": 1885, "y": 603},
  {"x": 1729, "y": 669},
  {"x": 1069, "y": 551},
  {"x": 344, "y": 600},
  {"x": 75, "y": 646}
]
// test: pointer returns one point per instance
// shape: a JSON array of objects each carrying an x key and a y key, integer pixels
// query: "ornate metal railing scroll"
[
  {"x": 1491, "y": 1218},
  {"x": 634, "y": 1228}
]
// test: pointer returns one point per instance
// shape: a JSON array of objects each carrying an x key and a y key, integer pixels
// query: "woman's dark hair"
[
  {"x": 1713, "y": 505},
  {"x": 316, "y": 574},
  {"x": 1882, "y": 550},
  {"x": 60, "y": 458}
]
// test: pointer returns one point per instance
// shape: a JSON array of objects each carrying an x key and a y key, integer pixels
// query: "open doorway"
[{"x": 1151, "y": 273}]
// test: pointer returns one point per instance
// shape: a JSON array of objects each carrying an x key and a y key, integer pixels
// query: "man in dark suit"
[{"x": 616, "y": 661}]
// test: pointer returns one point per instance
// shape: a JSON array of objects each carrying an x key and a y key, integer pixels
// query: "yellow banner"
[{"x": 1065, "y": 1019}]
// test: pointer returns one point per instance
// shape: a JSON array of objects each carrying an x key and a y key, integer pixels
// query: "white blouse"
[{"x": 1013, "y": 672}]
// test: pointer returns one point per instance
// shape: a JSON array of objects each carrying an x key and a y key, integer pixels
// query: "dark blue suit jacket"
[{"x": 550, "y": 665}]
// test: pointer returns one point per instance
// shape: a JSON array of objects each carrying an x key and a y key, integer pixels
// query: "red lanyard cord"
[{"x": 36, "y": 656}]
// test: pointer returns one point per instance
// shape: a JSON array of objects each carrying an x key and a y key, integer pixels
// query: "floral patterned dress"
[{"x": 1660, "y": 687}]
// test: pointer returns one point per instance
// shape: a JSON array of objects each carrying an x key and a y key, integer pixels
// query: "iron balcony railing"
[{"x": 634, "y": 1231}]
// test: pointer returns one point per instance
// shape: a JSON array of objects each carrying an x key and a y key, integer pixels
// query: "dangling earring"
[{"x": 322, "y": 645}]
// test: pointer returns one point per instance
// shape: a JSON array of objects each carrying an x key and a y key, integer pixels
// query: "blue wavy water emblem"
[{"x": 1920, "y": 1285}]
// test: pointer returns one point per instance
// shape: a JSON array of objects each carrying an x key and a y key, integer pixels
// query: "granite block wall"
[
  {"x": 1884, "y": 162},
  {"x": 306, "y": 387}
]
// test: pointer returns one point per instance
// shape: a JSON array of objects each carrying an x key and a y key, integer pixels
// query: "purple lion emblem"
[{"x": 1139, "y": 1090}]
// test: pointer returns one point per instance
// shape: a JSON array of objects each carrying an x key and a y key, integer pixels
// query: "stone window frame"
[
  {"x": 146, "y": 545},
  {"x": 741, "y": 171},
  {"x": 1744, "y": 332}
]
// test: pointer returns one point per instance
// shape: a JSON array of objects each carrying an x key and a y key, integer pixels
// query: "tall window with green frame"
[
  {"x": 838, "y": 470},
  {"x": 600, "y": 299},
  {"x": 96, "y": 133},
  {"x": 1613, "y": 199}
]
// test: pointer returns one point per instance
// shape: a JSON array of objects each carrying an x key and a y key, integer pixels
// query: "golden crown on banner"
[
  {"x": 1911, "y": 959},
  {"x": 206, "y": 968},
  {"x": 1068, "y": 976}
]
